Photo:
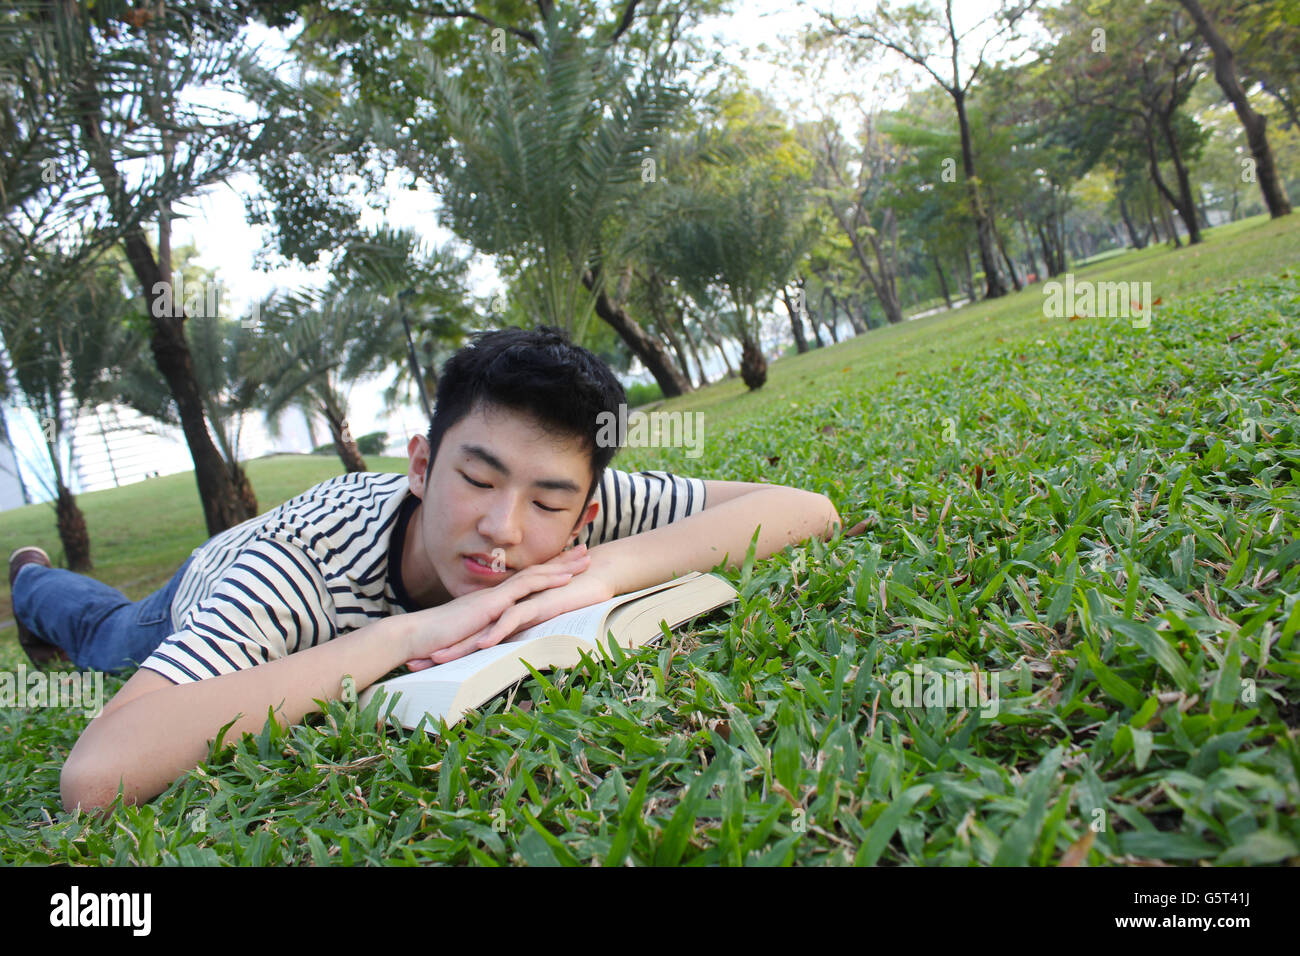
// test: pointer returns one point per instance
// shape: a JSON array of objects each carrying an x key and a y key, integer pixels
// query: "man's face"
[{"x": 501, "y": 488}]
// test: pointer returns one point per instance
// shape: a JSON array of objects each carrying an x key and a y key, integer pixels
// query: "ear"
[
  {"x": 588, "y": 516},
  {"x": 417, "y": 450}
]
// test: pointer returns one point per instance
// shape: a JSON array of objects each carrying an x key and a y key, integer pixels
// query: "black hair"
[{"x": 538, "y": 371}]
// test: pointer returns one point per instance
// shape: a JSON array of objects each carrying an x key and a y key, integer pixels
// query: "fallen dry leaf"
[{"x": 1078, "y": 851}]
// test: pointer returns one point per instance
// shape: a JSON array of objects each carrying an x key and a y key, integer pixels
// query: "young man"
[{"x": 487, "y": 533}]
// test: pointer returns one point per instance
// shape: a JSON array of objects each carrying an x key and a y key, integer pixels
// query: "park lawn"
[
  {"x": 1252, "y": 247},
  {"x": 1101, "y": 519}
]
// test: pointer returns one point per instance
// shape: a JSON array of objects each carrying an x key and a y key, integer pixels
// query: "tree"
[
  {"x": 1225, "y": 71},
  {"x": 219, "y": 347},
  {"x": 745, "y": 238},
  {"x": 130, "y": 144},
  {"x": 1141, "y": 71},
  {"x": 399, "y": 281},
  {"x": 307, "y": 349},
  {"x": 61, "y": 362},
  {"x": 928, "y": 36},
  {"x": 545, "y": 166},
  {"x": 864, "y": 209},
  {"x": 1265, "y": 36}
]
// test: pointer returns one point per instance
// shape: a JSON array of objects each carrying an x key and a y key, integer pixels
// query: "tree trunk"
[
  {"x": 1031, "y": 255},
  {"x": 717, "y": 343},
  {"x": 995, "y": 285},
  {"x": 1225, "y": 71},
  {"x": 832, "y": 326},
  {"x": 943, "y": 282},
  {"x": 344, "y": 444},
  {"x": 796, "y": 324},
  {"x": 651, "y": 352},
  {"x": 72, "y": 531},
  {"x": 694, "y": 347},
  {"x": 1171, "y": 227},
  {"x": 1182, "y": 202},
  {"x": 1151, "y": 217},
  {"x": 666, "y": 330},
  {"x": 1011, "y": 266},
  {"x": 222, "y": 505},
  {"x": 1136, "y": 238},
  {"x": 816, "y": 320},
  {"x": 753, "y": 367},
  {"x": 1051, "y": 255},
  {"x": 664, "y": 326},
  {"x": 856, "y": 322},
  {"x": 244, "y": 487},
  {"x": 970, "y": 276}
]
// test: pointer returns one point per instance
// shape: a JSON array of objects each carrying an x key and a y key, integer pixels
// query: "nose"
[{"x": 501, "y": 524}]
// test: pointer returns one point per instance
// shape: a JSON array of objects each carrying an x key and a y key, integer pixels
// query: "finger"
[
  {"x": 458, "y": 650},
  {"x": 551, "y": 579},
  {"x": 522, "y": 615},
  {"x": 419, "y": 664}
]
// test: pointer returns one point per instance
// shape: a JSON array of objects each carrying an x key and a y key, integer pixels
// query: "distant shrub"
[
  {"x": 373, "y": 443},
  {"x": 641, "y": 394}
]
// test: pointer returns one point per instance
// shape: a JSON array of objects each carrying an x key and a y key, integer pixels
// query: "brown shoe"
[{"x": 41, "y": 653}]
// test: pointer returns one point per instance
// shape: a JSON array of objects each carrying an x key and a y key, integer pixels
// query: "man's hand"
[
  {"x": 463, "y": 622},
  {"x": 582, "y": 590}
]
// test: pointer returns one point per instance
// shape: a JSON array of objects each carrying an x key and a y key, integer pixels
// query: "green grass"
[
  {"x": 1102, "y": 519},
  {"x": 1251, "y": 247}
]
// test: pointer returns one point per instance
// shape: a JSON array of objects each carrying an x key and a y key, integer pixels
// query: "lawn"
[{"x": 1098, "y": 519}]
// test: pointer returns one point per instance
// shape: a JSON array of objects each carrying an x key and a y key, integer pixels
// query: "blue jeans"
[{"x": 94, "y": 624}]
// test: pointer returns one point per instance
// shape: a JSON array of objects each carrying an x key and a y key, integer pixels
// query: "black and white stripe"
[{"x": 317, "y": 566}]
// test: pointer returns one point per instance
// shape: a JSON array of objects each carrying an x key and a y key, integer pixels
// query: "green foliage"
[
  {"x": 642, "y": 394},
  {"x": 547, "y": 155},
  {"x": 372, "y": 443},
  {"x": 58, "y": 356}
]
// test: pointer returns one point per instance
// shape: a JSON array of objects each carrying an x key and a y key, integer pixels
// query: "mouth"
[{"x": 480, "y": 565}]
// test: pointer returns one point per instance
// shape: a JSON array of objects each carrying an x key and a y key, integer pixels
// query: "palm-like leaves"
[
  {"x": 60, "y": 357},
  {"x": 81, "y": 94},
  {"x": 303, "y": 345},
  {"x": 553, "y": 152},
  {"x": 745, "y": 239}
]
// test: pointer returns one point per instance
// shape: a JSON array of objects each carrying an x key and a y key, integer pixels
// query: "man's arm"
[
  {"x": 732, "y": 511},
  {"x": 161, "y": 729},
  {"x": 153, "y": 731}
]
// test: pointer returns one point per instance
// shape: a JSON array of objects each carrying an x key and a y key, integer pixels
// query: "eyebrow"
[{"x": 492, "y": 461}]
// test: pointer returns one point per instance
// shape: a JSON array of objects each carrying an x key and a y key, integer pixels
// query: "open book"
[{"x": 449, "y": 690}]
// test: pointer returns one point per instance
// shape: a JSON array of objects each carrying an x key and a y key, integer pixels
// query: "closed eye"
[{"x": 479, "y": 484}]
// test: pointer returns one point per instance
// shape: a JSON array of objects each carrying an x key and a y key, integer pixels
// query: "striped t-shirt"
[{"x": 329, "y": 561}]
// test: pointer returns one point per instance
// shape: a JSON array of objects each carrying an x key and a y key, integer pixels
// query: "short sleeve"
[
  {"x": 272, "y": 601},
  {"x": 631, "y": 503}
]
